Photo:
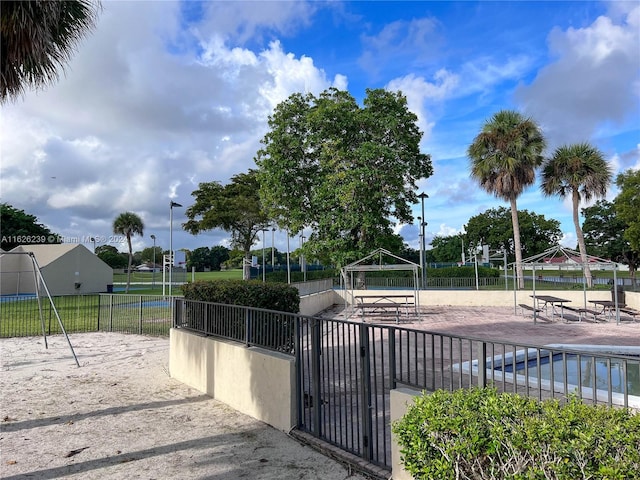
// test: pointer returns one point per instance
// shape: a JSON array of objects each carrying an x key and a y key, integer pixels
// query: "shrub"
[
  {"x": 481, "y": 434},
  {"x": 271, "y": 330},
  {"x": 463, "y": 272},
  {"x": 270, "y": 296}
]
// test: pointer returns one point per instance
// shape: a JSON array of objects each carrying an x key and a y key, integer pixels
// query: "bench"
[
  {"x": 524, "y": 307},
  {"x": 583, "y": 312},
  {"x": 383, "y": 307},
  {"x": 630, "y": 311}
]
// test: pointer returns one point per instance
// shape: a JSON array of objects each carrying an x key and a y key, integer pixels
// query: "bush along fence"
[{"x": 482, "y": 434}]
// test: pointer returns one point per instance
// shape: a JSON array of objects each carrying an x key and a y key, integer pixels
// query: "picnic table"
[
  {"x": 542, "y": 302},
  {"x": 383, "y": 303},
  {"x": 608, "y": 307}
]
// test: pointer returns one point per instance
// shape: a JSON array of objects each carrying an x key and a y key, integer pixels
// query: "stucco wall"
[
  {"x": 487, "y": 298},
  {"x": 632, "y": 299},
  {"x": 400, "y": 399},
  {"x": 254, "y": 381},
  {"x": 317, "y": 302}
]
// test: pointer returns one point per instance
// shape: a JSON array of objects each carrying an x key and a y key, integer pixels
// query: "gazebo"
[
  {"x": 378, "y": 260},
  {"x": 561, "y": 257}
]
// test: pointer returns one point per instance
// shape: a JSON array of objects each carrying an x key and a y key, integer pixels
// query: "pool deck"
[{"x": 503, "y": 324}]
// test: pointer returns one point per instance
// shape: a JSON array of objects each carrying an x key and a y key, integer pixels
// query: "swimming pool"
[{"x": 589, "y": 369}]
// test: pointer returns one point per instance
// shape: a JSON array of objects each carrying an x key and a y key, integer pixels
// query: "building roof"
[{"x": 48, "y": 253}]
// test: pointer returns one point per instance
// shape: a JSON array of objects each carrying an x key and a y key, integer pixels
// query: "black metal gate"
[{"x": 343, "y": 386}]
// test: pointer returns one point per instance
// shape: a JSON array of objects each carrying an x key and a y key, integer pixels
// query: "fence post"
[
  {"x": 482, "y": 366},
  {"x": 207, "y": 328},
  {"x": 177, "y": 311},
  {"x": 298, "y": 356},
  {"x": 247, "y": 325},
  {"x": 392, "y": 357},
  {"x": 315, "y": 376},
  {"x": 111, "y": 313},
  {"x": 99, "y": 311},
  {"x": 140, "y": 315},
  {"x": 365, "y": 393}
]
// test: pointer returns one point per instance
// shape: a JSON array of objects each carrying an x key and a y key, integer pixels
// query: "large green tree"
[
  {"x": 110, "y": 255},
  {"x": 149, "y": 255},
  {"x": 343, "y": 171},
  {"x": 38, "y": 38},
  {"x": 234, "y": 208},
  {"x": 494, "y": 227},
  {"x": 18, "y": 227},
  {"x": 604, "y": 235},
  {"x": 504, "y": 157},
  {"x": 627, "y": 205},
  {"x": 581, "y": 172},
  {"x": 447, "y": 249},
  {"x": 128, "y": 224}
]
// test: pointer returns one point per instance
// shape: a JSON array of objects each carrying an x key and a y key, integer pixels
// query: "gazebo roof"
[
  {"x": 559, "y": 255},
  {"x": 365, "y": 265}
]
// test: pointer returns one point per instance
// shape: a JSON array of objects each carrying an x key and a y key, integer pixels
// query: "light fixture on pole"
[
  {"x": 93, "y": 239},
  {"x": 171, "y": 253},
  {"x": 153, "y": 272},
  {"x": 423, "y": 223},
  {"x": 264, "y": 273}
]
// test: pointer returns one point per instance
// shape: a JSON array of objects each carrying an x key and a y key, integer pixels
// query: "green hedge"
[
  {"x": 281, "y": 276},
  {"x": 482, "y": 434},
  {"x": 271, "y": 296},
  {"x": 462, "y": 272}
]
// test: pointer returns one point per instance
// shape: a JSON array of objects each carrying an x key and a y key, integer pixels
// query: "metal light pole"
[
  {"x": 153, "y": 272},
  {"x": 422, "y": 196},
  {"x": 264, "y": 273},
  {"x": 421, "y": 252},
  {"x": 273, "y": 249},
  {"x": 171, "y": 255},
  {"x": 288, "y": 259},
  {"x": 93, "y": 239},
  {"x": 302, "y": 264}
]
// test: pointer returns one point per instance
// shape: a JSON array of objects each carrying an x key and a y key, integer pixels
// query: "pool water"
[{"x": 585, "y": 372}]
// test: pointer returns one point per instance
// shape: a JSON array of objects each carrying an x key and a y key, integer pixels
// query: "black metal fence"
[
  {"x": 22, "y": 315},
  {"x": 346, "y": 370},
  {"x": 250, "y": 326}
]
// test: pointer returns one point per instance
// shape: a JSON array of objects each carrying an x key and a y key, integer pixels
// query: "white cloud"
[
  {"x": 145, "y": 112},
  {"x": 420, "y": 93},
  {"x": 593, "y": 80}
]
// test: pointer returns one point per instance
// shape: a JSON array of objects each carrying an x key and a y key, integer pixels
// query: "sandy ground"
[{"x": 120, "y": 416}]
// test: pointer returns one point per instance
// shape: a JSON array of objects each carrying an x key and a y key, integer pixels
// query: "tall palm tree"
[
  {"x": 39, "y": 37},
  {"x": 128, "y": 224},
  {"x": 504, "y": 157},
  {"x": 581, "y": 171}
]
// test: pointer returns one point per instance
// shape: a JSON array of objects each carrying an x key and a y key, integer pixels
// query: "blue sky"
[{"x": 165, "y": 95}]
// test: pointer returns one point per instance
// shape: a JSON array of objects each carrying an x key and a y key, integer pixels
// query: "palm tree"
[
  {"x": 39, "y": 37},
  {"x": 581, "y": 171},
  {"x": 504, "y": 157},
  {"x": 128, "y": 224}
]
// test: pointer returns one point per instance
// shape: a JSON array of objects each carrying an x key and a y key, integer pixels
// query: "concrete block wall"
[{"x": 254, "y": 381}]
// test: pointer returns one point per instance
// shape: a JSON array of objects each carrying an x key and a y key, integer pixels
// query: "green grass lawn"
[{"x": 149, "y": 278}]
